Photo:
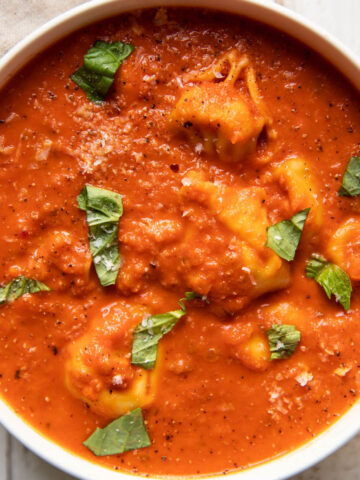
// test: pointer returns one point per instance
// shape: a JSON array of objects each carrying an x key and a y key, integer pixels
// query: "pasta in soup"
[{"x": 180, "y": 243}]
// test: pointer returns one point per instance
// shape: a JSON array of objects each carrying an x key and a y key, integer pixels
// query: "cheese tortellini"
[
  {"x": 248, "y": 344},
  {"x": 344, "y": 247},
  {"x": 239, "y": 267},
  {"x": 98, "y": 369},
  {"x": 296, "y": 177},
  {"x": 217, "y": 116}
]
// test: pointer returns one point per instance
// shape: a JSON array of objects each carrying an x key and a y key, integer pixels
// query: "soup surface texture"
[{"x": 215, "y": 129}]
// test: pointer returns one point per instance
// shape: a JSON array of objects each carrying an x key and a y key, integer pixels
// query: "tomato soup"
[{"x": 180, "y": 259}]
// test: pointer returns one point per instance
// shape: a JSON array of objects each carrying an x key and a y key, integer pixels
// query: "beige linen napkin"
[{"x": 20, "y": 17}]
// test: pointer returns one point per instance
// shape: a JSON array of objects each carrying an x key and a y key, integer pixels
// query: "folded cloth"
[{"x": 20, "y": 17}]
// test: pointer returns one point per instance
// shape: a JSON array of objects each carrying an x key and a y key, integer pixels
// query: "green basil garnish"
[
  {"x": 283, "y": 340},
  {"x": 283, "y": 237},
  {"x": 331, "y": 277},
  {"x": 103, "y": 211},
  {"x": 148, "y": 334},
  {"x": 123, "y": 434},
  {"x": 101, "y": 63},
  {"x": 20, "y": 286},
  {"x": 351, "y": 180},
  {"x": 194, "y": 296}
]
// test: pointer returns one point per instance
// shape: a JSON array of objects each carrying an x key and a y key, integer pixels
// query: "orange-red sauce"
[{"x": 212, "y": 413}]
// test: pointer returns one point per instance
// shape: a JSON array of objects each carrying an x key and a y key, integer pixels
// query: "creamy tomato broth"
[{"x": 214, "y": 129}]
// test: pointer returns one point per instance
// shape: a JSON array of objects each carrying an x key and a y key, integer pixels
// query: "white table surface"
[{"x": 19, "y": 17}]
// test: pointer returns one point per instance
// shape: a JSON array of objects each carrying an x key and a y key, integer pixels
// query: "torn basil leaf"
[
  {"x": 101, "y": 63},
  {"x": 283, "y": 340},
  {"x": 194, "y": 296},
  {"x": 20, "y": 286},
  {"x": 94, "y": 85},
  {"x": 351, "y": 180},
  {"x": 103, "y": 211},
  {"x": 123, "y": 434},
  {"x": 148, "y": 334},
  {"x": 331, "y": 277},
  {"x": 283, "y": 237}
]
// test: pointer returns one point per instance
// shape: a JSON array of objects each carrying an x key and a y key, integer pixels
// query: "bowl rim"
[{"x": 265, "y": 11}]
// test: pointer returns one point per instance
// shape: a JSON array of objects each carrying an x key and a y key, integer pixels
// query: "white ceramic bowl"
[{"x": 340, "y": 56}]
